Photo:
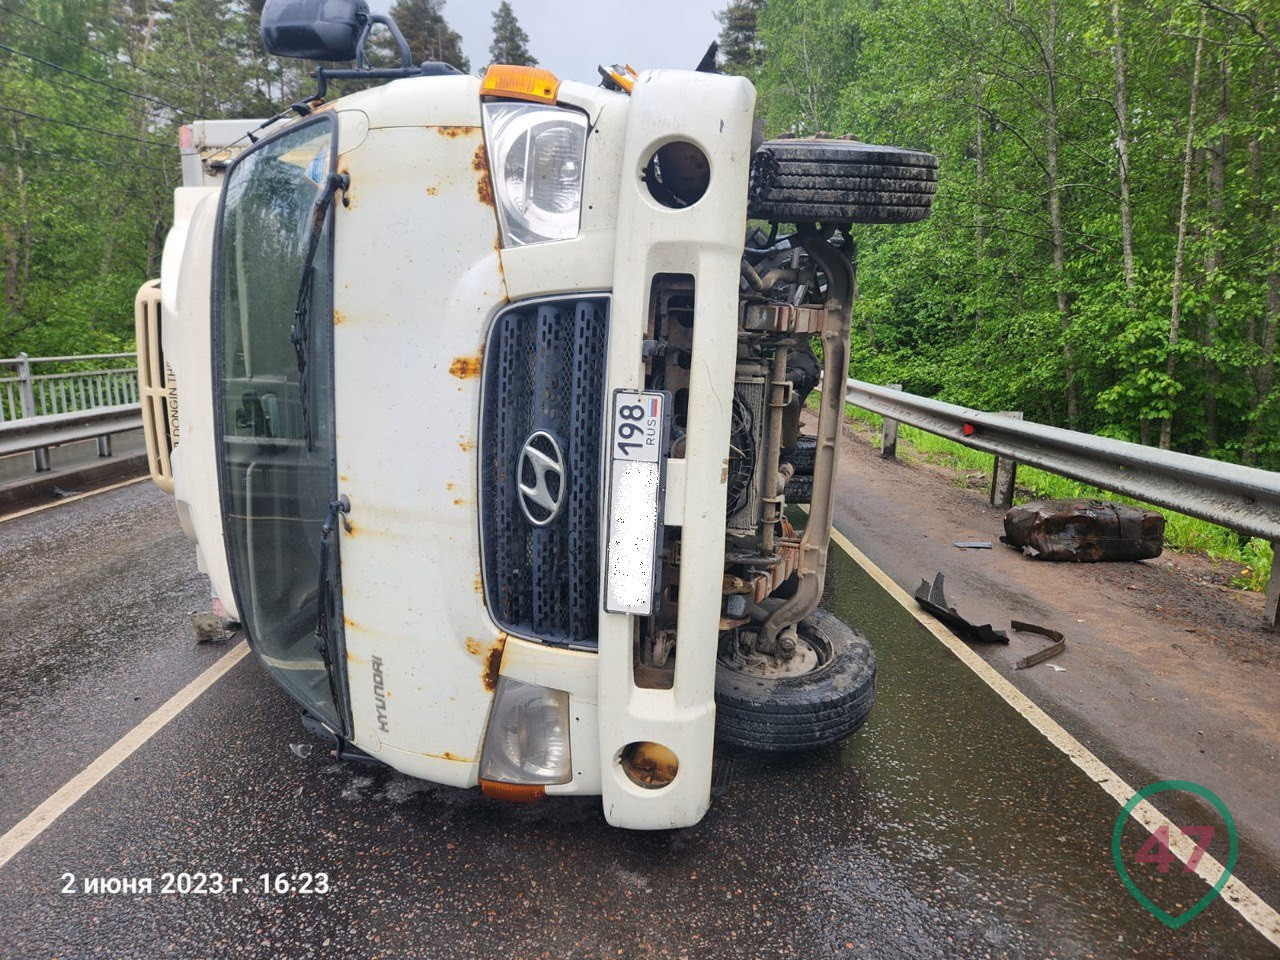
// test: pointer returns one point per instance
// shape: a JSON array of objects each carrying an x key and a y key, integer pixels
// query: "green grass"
[{"x": 1251, "y": 556}]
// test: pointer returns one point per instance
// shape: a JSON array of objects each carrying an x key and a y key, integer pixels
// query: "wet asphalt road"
[{"x": 947, "y": 827}]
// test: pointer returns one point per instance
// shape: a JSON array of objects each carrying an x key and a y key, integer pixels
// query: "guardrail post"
[
  {"x": 1273, "y": 588},
  {"x": 104, "y": 446},
  {"x": 889, "y": 432},
  {"x": 1005, "y": 473},
  {"x": 28, "y": 397}
]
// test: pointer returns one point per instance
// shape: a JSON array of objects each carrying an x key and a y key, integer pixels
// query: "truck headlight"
[
  {"x": 528, "y": 736},
  {"x": 536, "y": 155}
]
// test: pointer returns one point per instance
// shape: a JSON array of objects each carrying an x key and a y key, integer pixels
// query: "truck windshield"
[{"x": 275, "y": 412}]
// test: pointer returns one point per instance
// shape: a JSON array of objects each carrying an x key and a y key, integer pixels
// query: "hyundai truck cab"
[{"x": 484, "y": 418}]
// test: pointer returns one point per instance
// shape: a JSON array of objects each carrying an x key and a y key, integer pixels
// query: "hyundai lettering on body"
[{"x": 487, "y": 424}]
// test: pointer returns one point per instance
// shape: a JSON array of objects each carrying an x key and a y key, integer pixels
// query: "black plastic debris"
[
  {"x": 1084, "y": 531},
  {"x": 934, "y": 599}
]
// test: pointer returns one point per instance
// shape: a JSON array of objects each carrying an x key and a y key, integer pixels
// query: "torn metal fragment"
[
  {"x": 934, "y": 599},
  {"x": 1040, "y": 656}
]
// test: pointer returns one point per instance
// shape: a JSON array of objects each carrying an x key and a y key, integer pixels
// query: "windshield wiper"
[
  {"x": 300, "y": 332},
  {"x": 338, "y": 508}
]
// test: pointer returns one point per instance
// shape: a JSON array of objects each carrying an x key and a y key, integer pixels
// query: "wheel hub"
[{"x": 811, "y": 654}]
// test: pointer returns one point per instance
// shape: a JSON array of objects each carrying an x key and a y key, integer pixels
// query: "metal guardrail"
[
  {"x": 1241, "y": 498},
  {"x": 34, "y": 433},
  {"x": 39, "y": 410}
]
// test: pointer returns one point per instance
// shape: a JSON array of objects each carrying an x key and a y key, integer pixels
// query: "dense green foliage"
[
  {"x": 1104, "y": 251},
  {"x": 740, "y": 48},
  {"x": 92, "y": 93}
]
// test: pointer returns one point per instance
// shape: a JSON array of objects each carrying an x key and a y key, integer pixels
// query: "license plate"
[
  {"x": 638, "y": 432},
  {"x": 638, "y": 420}
]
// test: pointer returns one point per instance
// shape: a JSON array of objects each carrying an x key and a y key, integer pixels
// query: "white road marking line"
[
  {"x": 65, "y": 500},
  {"x": 1256, "y": 911},
  {"x": 44, "y": 815}
]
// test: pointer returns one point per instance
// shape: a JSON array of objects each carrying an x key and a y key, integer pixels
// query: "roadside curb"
[{"x": 39, "y": 488}]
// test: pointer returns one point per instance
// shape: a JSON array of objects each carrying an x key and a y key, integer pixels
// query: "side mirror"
[{"x": 329, "y": 30}]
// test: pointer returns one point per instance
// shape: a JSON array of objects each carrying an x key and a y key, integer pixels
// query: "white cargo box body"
[
  {"x": 210, "y": 146},
  {"x": 420, "y": 274}
]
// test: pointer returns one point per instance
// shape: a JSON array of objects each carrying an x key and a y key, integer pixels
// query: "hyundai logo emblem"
[{"x": 540, "y": 478}]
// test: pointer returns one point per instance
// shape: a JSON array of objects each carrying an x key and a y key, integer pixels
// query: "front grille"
[{"x": 544, "y": 376}]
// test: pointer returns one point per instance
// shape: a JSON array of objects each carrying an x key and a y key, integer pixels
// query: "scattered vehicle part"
[
  {"x": 1040, "y": 656},
  {"x": 973, "y": 544},
  {"x": 1084, "y": 531},
  {"x": 208, "y": 627},
  {"x": 560, "y": 443},
  {"x": 934, "y": 599}
]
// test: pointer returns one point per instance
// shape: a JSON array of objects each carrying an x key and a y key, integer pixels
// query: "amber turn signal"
[
  {"x": 513, "y": 792},
  {"x": 520, "y": 83}
]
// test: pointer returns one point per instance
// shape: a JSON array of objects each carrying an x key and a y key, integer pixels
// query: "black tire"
[
  {"x": 804, "y": 455},
  {"x": 840, "y": 181},
  {"x": 805, "y": 712},
  {"x": 799, "y": 489}
]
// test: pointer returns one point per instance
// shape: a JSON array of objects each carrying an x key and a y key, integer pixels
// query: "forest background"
[{"x": 1104, "y": 252}]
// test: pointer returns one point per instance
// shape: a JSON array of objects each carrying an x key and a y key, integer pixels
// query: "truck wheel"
[
  {"x": 819, "y": 697},
  {"x": 804, "y": 455},
  {"x": 840, "y": 181},
  {"x": 799, "y": 489}
]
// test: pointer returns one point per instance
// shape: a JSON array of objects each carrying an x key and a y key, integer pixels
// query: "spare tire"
[
  {"x": 804, "y": 454},
  {"x": 799, "y": 489},
  {"x": 824, "y": 699},
  {"x": 840, "y": 181}
]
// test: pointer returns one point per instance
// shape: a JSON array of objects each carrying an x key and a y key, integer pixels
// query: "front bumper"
[
  {"x": 704, "y": 240},
  {"x": 608, "y": 710}
]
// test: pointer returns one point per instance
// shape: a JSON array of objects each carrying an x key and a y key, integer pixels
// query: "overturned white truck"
[{"x": 486, "y": 420}]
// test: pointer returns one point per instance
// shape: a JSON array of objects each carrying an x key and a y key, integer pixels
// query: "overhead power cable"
[
  {"x": 76, "y": 159},
  {"x": 88, "y": 46},
  {"x": 81, "y": 126},
  {"x": 102, "y": 83}
]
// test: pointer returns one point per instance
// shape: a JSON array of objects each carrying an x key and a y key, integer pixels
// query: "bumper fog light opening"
[{"x": 649, "y": 765}]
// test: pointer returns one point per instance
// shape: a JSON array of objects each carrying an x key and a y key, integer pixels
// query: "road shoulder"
[{"x": 1161, "y": 675}]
